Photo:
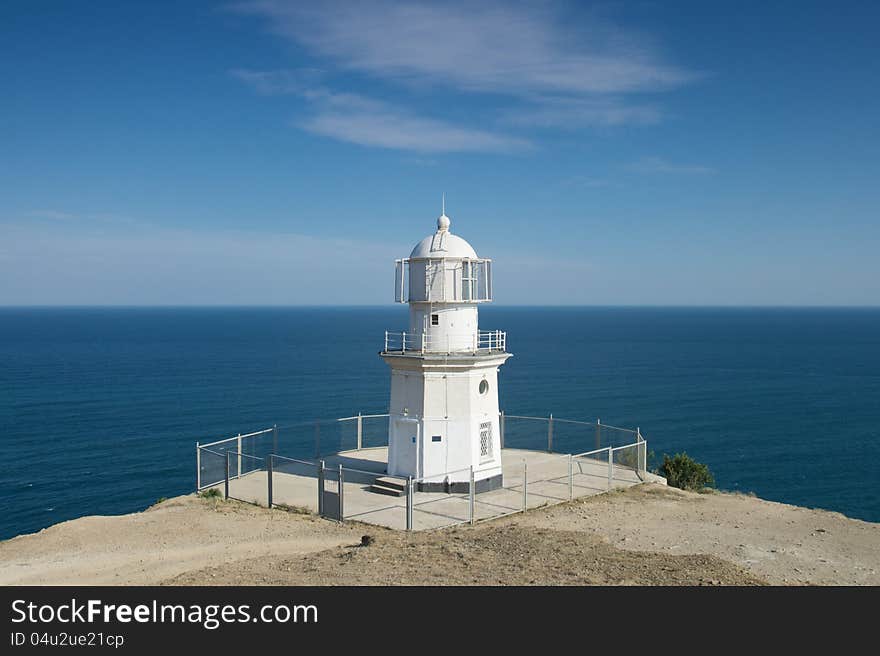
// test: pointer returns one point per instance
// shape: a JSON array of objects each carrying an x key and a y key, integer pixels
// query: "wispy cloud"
[
  {"x": 660, "y": 165},
  {"x": 499, "y": 47},
  {"x": 79, "y": 217},
  {"x": 142, "y": 263},
  {"x": 533, "y": 66},
  {"x": 369, "y": 122},
  {"x": 278, "y": 82},
  {"x": 396, "y": 129},
  {"x": 572, "y": 113},
  {"x": 52, "y": 215},
  {"x": 586, "y": 181}
]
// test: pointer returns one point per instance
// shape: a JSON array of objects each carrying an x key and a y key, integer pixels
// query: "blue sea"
[{"x": 100, "y": 408}]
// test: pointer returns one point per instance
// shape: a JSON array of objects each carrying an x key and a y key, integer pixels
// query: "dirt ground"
[
  {"x": 648, "y": 535},
  {"x": 179, "y": 535}
]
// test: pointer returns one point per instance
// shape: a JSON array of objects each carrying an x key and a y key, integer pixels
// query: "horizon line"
[{"x": 209, "y": 306}]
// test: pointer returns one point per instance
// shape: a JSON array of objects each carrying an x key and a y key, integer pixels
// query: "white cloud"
[
  {"x": 366, "y": 121},
  {"x": 536, "y": 67},
  {"x": 388, "y": 127},
  {"x": 660, "y": 165},
  {"x": 515, "y": 48}
]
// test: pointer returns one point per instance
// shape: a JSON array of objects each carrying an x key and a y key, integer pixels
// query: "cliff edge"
[{"x": 649, "y": 534}]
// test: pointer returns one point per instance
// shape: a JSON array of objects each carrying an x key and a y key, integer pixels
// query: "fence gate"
[{"x": 329, "y": 497}]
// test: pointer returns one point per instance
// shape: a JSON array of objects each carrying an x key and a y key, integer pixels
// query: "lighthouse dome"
[{"x": 443, "y": 244}]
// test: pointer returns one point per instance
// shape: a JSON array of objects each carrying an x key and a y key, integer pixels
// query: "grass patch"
[
  {"x": 294, "y": 510},
  {"x": 210, "y": 493},
  {"x": 739, "y": 493}
]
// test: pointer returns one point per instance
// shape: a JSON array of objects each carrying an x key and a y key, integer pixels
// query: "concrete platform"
[{"x": 296, "y": 485}]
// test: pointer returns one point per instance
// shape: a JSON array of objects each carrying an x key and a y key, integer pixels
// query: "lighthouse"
[{"x": 443, "y": 426}]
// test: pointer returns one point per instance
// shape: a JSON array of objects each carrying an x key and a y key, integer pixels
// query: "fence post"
[
  {"x": 570, "y": 475},
  {"x": 610, "y": 466},
  {"x": 239, "y": 455},
  {"x": 341, "y": 491},
  {"x": 317, "y": 439},
  {"x": 226, "y": 478},
  {"x": 321, "y": 489},
  {"x": 198, "y": 468},
  {"x": 639, "y": 449},
  {"x": 501, "y": 428},
  {"x": 550, "y": 434},
  {"x": 598, "y": 434},
  {"x": 269, "y": 479},
  {"x": 472, "y": 495},
  {"x": 360, "y": 431},
  {"x": 409, "y": 503},
  {"x": 525, "y": 485},
  {"x": 275, "y": 438}
]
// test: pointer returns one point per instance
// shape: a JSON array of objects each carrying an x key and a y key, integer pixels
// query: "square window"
[{"x": 435, "y": 319}]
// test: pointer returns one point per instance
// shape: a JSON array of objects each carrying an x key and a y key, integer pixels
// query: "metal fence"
[
  {"x": 311, "y": 440},
  {"x": 211, "y": 458},
  {"x": 244, "y": 484},
  {"x": 300, "y": 479},
  {"x": 541, "y": 465},
  {"x": 556, "y": 435},
  {"x": 363, "y": 431}
]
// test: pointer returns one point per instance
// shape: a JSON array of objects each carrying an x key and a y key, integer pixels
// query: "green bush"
[
  {"x": 210, "y": 493},
  {"x": 651, "y": 461},
  {"x": 684, "y": 472}
]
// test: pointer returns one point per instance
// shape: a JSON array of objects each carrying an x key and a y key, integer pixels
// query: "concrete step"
[
  {"x": 390, "y": 491},
  {"x": 393, "y": 483}
]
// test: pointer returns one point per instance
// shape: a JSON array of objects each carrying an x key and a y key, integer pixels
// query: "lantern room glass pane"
[
  {"x": 416, "y": 274},
  {"x": 435, "y": 273},
  {"x": 401, "y": 281},
  {"x": 489, "y": 279},
  {"x": 398, "y": 282},
  {"x": 482, "y": 285}
]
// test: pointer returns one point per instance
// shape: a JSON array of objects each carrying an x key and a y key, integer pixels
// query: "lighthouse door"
[{"x": 408, "y": 434}]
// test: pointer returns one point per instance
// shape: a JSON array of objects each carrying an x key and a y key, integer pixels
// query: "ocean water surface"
[{"x": 100, "y": 408}]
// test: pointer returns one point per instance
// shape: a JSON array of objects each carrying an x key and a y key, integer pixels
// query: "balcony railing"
[{"x": 484, "y": 341}]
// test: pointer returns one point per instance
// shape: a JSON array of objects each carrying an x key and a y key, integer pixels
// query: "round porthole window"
[{"x": 484, "y": 386}]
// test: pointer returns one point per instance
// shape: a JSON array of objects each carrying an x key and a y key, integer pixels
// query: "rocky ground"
[{"x": 647, "y": 535}]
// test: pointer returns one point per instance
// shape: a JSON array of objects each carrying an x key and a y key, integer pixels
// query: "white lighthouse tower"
[{"x": 444, "y": 415}]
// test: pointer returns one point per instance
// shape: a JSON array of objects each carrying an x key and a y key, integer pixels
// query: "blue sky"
[{"x": 684, "y": 153}]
